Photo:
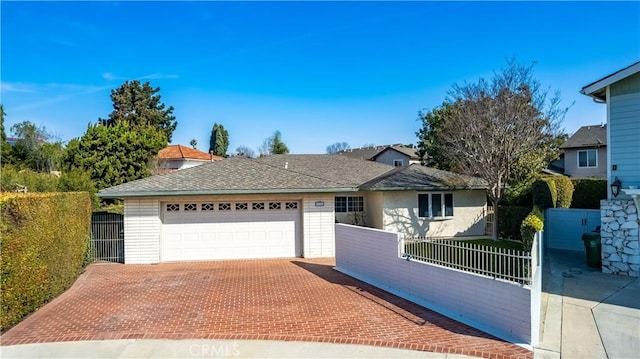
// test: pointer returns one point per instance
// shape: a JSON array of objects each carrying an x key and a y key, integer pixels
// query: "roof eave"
[
  {"x": 425, "y": 188},
  {"x": 595, "y": 89},
  {"x": 118, "y": 194}
]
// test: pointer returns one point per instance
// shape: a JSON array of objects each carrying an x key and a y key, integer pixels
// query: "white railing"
[{"x": 502, "y": 263}]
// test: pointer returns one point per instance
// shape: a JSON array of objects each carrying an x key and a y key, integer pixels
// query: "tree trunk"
[{"x": 495, "y": 203}]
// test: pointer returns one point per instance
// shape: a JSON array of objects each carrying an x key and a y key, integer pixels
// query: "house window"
[
  {"x": 349, "y": 204},
  {"x": 190, "y": 207},
  {"x": 242, "y": 206},
  {"x": 435, "y": 205},
  {"x": 173, "y": 207},
  {"x": 291, "y": 205},
  {"x": 398, "y": 163},
  {"x": 257, "y": 206},
  {"x": 206, "y": 207},
  {"x": 274, "y": 205},
  {"x": 588, "y": 159},
  {"x": 224, "y": 206}
]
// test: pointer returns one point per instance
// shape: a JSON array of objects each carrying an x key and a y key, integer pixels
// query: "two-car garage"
[{"x": 205, "y": 230}]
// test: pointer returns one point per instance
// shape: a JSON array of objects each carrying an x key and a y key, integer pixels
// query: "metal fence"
[
  {"x": 503, "y": 263},
  {"x": 107, "y": 237}
]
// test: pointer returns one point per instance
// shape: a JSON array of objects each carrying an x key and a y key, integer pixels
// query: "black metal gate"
[{"x": 107, "y": 237}]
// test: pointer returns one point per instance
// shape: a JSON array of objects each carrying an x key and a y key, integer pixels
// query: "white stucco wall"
[
  {"x": 373, "y": 206},
  {"x": 400, "y": 214},
  {"x": 497, "y": 307}
]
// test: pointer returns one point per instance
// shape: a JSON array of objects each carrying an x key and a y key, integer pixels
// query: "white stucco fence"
[{"x": 506, "y": 310}]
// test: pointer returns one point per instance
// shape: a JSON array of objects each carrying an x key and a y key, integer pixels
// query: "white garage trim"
[{"x": 216, "y": 230}]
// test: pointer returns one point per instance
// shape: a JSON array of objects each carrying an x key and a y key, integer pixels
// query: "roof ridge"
[{"x": 256, "y": 160}]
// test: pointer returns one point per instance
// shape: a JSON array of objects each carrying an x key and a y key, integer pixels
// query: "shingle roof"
[
  {"x": 417, "y": 177},
  {"x": 408, "y": 151},
  {"x": 173, "y": 152},
  {"x": 365, "y": 153},
  {"x": 291, "y": 174},
  {"x": 335, "y": 168},
  {"x": 370, "y": 153},
  {"x": 587, "y": 136},
  {"x": 304, "y": 173}
]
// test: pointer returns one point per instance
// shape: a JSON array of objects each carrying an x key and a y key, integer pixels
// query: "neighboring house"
[
  {"x": 555, "y": 167},
  {"x": 395, "y": 155},
  {"x": 287, "y": 205},
  {"x": 177, "y": 157},
  {"x": 585, "y": 152},
  {"x": 620, "y": 91}
]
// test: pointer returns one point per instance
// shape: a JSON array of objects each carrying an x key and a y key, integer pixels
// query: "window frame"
[
  {"x": 395, "y": 163},
  {"x": 595, "y": 151},
  {"x": 352, "y": 204},
  {"x": 444, "y": 199}
]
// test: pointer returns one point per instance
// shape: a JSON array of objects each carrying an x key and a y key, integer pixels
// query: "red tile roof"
[{"x": 182, "y": 152}]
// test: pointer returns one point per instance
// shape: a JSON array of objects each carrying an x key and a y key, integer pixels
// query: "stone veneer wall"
[{"x": 620, "y": 240}]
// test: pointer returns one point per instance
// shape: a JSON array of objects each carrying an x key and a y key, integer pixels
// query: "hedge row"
[
  {"x": 588, "y": 193},
  {"x": 44, "y": 244},
  {"x": 510, "y": 220}
]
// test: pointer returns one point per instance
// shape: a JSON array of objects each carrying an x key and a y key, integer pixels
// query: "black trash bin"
[{"x": 592, "y": 244}]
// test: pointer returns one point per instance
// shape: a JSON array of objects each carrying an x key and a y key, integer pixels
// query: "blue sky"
[{"x": 320, "y": 72}]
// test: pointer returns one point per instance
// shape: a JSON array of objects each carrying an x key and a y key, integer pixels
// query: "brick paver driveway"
[{"x": 294, "y": 300}]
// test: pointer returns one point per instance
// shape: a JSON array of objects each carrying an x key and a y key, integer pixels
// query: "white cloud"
[
  {"x": 159, "y": 76},
  {"x": 17, "y": 87},
  {"x": 109, "y": 76}
]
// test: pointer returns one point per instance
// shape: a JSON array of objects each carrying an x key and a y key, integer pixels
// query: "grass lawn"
[
  {"x": 501, "y": 243},
  {"x": 482, "y": 256}
]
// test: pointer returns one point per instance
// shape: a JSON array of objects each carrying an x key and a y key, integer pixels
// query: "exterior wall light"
[{"x": 615, "y": 187}]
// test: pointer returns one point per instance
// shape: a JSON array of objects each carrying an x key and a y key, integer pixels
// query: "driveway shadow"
[{"x": 399, "y": 306}]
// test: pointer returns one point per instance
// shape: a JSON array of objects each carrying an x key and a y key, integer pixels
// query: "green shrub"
[
  {"x": 544, "y": 193},
  {"x": 76, "y": 180},
  {"x": 518, "y": 194},
  {"x": 13, "y": 179},
  {"x": 45, "y": 237},
  {"x": 587, "y": 193},
  {"x": 564, "y": 189},
  {"x": 509, "y": 220},
  {"x": 532, "y": 223},
  {"x": 537, "y": 212}
]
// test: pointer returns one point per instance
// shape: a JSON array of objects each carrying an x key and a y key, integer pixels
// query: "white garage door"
[{"x": 230, "y": 230}]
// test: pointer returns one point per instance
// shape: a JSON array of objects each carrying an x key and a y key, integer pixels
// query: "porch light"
[{"x": 615, "y": 187}]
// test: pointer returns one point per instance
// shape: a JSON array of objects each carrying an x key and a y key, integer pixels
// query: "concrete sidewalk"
[
  {"x": 587, "y": 314},
  {"x": 188, "y": 348}
]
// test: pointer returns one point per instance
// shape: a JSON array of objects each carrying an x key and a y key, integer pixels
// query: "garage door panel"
[{"x": 229, "y": 235}]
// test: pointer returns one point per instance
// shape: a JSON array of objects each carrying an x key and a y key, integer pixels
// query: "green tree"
[
  {"x": 219, "y": 140},
  {"x": 5, "y": 148},
  {"x": 139, "y": 105},
  {"x": 115, "y": 154},
  {"x": 497, "y": 125},
  {"x": 274, "y": 145},
  {"x": 193, "y": 143},
  {"x": 429, "y": 143},
  {"x": 32, "y": 149}
]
